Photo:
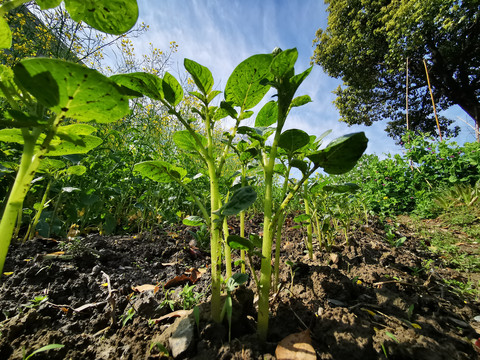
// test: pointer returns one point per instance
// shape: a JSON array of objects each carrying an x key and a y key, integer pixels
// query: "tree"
[
  {"x": 53, "y": 33},
  {"x": 367, "y": 44}
]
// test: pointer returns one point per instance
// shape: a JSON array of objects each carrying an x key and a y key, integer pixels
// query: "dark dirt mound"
[{"x": 360, "y": 301}]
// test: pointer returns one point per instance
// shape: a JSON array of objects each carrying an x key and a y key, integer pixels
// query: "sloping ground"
[{"x": 364, "y": 300}]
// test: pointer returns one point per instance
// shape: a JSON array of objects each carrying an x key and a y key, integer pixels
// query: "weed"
[
  {"x": 42, "y": 349},
  {"x": 189, "y": 297},
  {"x": 36, "y": 301},
  {"x": 127, "y": 316}
]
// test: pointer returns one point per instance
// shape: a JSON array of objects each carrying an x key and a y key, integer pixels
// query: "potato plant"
[{"x": 46, "y": 97}]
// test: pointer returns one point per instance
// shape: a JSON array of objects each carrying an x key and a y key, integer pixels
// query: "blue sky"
[{"x": 219, "y": 34}]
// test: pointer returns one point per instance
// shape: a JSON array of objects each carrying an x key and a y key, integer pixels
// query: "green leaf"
[
  {"x": 185, "y": 141},
  {"x": 76, "y": 170},
  {"x": 140, "y": 84},
  {"x": 240, "y": 243},
  {"x": 341, "y": 154},
  {"x": 82, "y": 145},
  {"x": 70, "y": 139},
  {"x": 241, "y": 200},
  {"x": 172, "y": 89},
  {"x": 7, "y": 80},
  {"x": 300, "y": 165},
  {"x": 49, "y": 166},
  {"x": 235, "y": 281},
  {"x": 45, "y": 348},
  {"x": 160, "y": 171},
  {"x": 284, "y": 62},
  {"x": 248, "y": 154},
  {"x": 300, "y": 100},
  {"x": 225, "y": 110},
  {"x": 19, "y": 119},
  {"x": 193, "y": 221},
  {"x": 280, "y": 169},
  {"x": 267, "y": 115},
  {"x": 245, "y": 115},
  {"x": 12, "y": 136},
  {"x": 5, "y": 34},
  {"x": 302, "y": 218},
  {"x": 256, "y": 240},
  {"x": 73, "y": 90},
  {"x": 293, "y": 139},
  {"x": 110, "y": 16},
  {"x": 48, "y": 4},
  {"x": 201, "y": 76},
  {"x": 76, "y": 129},
  {"x": 296, "y": 80},
  {"x": 244, "y": 88},
  {"x": 213, "y": 95},
  {"x": 257, "y": 133}
]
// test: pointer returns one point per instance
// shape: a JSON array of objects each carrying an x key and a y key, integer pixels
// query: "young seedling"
[
  {"x": 42, "y": 349},
  {"x": 243, "y": 90},
  {"x": 338, "y": 157},
  {"x": 232, "y": 283}
]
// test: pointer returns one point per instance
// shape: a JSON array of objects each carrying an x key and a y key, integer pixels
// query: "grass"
[{"x": 454, "y": 237}]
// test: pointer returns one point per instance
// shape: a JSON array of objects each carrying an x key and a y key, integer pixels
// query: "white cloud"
[{"x": 220, "y": 34}]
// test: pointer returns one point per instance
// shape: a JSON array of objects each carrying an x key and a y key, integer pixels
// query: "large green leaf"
[
  {"x": 267, "y": 115},
  {"x": 7, "y": 80},
  {"x": 12, "y": 136},
  {"x": 5, "y": 34},
  {"x": 185, "y": 141},
  {"x": 76, "y": 170},
  {"x": 110, "y": 16},
  {"x": 201, "y": 75},
  {"x": 49, "y": 166},
  {"x": 141, "y": 83},
  {"x": 160, "y": 171},
  {"x": 300, "y": 100},
  {"x": 84, "y": 143},
  {"x": 193, "y": 221},
  {"x": 296, "y": 80},
  {"x": 300, "y": 165},
  {"x": 284, "y": 62},
  {"x": 341, "y": 154},
  {"x": 244, "y": 86},
  {"x": 256, "y": 133},
  {"x": 172, "y": 90},
  {"x": 72, "y": 90},
  {"x": 240, "y": 243},
  {"x": 241, "y": 200},
  {"x": 293, "y": 139}
]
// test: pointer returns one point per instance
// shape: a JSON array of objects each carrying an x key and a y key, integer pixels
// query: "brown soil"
[{"x": 360, "y": 301}]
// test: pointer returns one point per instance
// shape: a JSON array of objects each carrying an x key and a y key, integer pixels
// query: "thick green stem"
[
  {"x": 309, "y": 225},
  {"x": 25, "y": 174},
  {"x": 266, "y": 265},
  {"x": 278, "y": 245},
  {"x": 242, "y": 219},
  {"x": 215, "y": 247},
  {"x": 228, "y": 251}
]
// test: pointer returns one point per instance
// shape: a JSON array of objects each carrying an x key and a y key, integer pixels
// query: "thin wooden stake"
[{"x": 433, "y": 101}]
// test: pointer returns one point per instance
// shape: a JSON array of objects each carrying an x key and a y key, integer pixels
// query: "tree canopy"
[{"x": 367, "y": 44}]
